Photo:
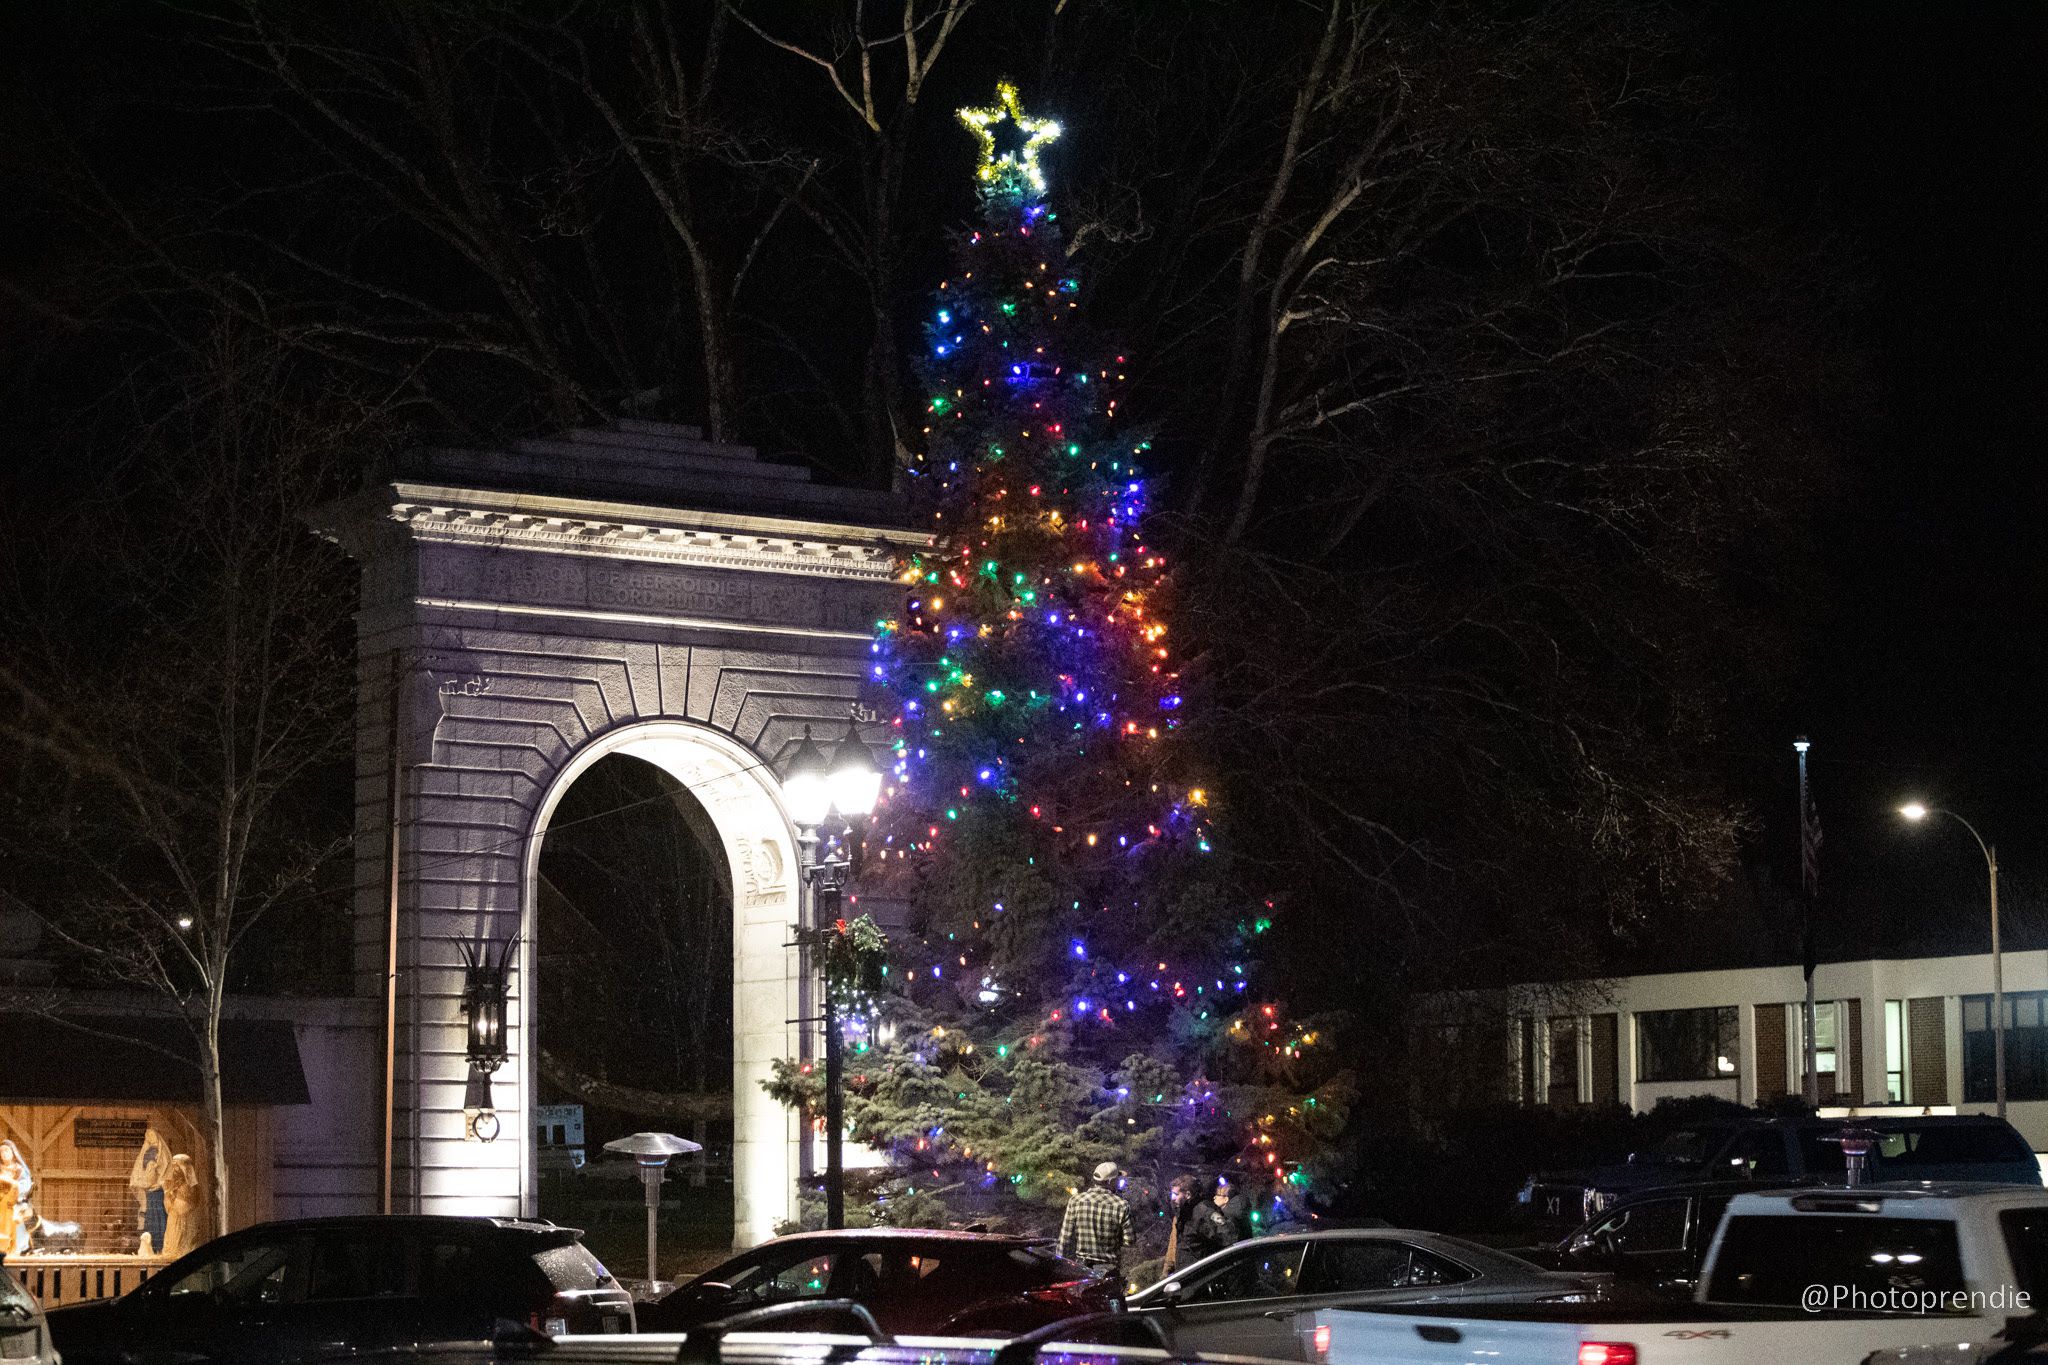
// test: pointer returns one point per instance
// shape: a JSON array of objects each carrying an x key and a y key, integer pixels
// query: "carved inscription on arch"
[{"x": 575, "y": 581}]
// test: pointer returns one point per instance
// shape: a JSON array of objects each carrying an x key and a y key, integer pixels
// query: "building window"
[
  {"x": 1895, "y": 1051},
  {"x": 1526, "y": 1050},
  {"x": 2026, "y": 1048},
  {"x": 1686, "y": 1045},
  {"x": 1563, "y": 1090},
  {"x": 1827, "y": 1044},
  {"x": 1827, "y": 1034}
]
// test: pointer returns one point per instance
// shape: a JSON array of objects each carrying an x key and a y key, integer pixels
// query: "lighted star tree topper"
[{"x": 1036, "y": 134}]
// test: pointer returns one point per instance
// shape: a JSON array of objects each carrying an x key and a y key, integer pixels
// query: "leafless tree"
[
  {"x": 1491, "y": 385},
  {"x": 878, "y": 65},
  {"x": 174, "y": 693}
]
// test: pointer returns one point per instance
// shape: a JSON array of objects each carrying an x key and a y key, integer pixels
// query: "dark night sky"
[{"x": 1914, "y": 135}]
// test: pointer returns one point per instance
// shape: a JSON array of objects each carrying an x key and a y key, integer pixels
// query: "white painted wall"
[{"x": 1871, "y": 981}]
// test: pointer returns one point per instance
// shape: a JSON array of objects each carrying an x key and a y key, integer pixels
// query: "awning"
[{"x": 104, "y": 1057}]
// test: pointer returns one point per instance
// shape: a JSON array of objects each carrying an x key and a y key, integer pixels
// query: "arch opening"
[{"x": 661, "y": 890}]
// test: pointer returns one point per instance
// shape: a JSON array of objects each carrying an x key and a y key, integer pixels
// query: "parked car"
[
  {"x": 913, "y": 1280},
  {"x": 1776, "y": 1152},
  {"x": 24, "y": 1336},
  {"x": 1826, "y": 1274},
  {"x": 1102, "y": 1339},
  {"x": 315, "y": 1288},
  {"x": 1259, "y": 1298},
  {"x": 1652, "y": 1244}
]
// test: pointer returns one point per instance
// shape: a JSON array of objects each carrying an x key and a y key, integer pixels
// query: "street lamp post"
[
  {"x": 825, "y": 796},
  {"x": 1915, "y": 811}
]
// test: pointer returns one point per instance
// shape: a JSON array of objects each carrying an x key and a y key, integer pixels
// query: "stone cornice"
[{"x": 558, "y": 525}]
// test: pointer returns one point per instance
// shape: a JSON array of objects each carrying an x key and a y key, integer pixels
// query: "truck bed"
[{"x": 1671, "y": 1334}]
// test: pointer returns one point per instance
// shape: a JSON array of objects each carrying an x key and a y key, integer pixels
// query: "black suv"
[
  {"x": 1653, "y": 1244},
  {"x": 317, "y": 1288},
  {"x": 1788, "y": 1152}
]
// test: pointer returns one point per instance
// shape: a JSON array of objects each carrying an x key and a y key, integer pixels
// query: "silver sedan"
[{"x": 1259, "y": 1298}]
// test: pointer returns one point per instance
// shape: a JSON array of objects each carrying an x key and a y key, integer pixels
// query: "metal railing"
[{"x": 57, "y": 1279}]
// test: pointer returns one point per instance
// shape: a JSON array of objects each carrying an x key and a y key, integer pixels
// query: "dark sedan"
[
  {"x": 318, "y": 1288},
  {"x": 1261, "y": 1298},
  {"x": 913, "y": 1280}
]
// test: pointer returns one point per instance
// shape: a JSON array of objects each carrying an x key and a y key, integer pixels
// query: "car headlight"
[{"x": 1528, "y": 1191}]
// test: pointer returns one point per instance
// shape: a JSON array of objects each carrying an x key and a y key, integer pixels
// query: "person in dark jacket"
[
  {"x": 1182, "y": 1196},
  {"x": 1218, "y": 1221}
]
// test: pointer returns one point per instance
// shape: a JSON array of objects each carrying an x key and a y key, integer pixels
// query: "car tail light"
[
  {"x": 1322, "y": 1341},
  {"x": 1606, "y": 1353},
  {"x": 1066, "y": 1291}
]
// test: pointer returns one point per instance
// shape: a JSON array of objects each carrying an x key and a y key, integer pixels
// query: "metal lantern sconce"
[{"x": 486, "y": 987}]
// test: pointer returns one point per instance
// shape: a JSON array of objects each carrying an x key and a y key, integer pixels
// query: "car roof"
[
  {"x": 1906, "y": 1191},
  {"x": 1698, "y": 1187},
  {"x": 1895, "y": 1122},
  {"x": 955, "y": 1236},
  {"x": 423, "y": 1222},
  {"x": 1485, "y": 1257}
]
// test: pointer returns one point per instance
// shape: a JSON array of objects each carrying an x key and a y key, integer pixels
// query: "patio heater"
[{"x": 652, "y": 1152}]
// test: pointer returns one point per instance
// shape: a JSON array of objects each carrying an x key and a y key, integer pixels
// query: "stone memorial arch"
[{"x": 526, "y": 612}]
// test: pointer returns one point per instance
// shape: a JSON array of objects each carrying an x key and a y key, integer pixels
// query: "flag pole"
[{"x": 1808, "y": 958}]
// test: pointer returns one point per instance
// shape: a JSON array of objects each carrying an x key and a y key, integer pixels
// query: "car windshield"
[
  {"x": 1686, "y": 1147},
  {"x": 1043, "y": 1259}
]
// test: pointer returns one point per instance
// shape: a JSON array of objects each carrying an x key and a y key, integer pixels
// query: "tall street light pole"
[
  {"x": 1915, "y": 811},
  {"x": 1809, "y": 878},
  {"x": 824, "y": 797}
]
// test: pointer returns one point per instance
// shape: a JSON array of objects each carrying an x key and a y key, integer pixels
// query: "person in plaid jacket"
[{"x": 1097, "y": 1229}]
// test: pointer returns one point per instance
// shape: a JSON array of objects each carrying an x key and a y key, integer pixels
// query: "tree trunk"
[
  {"x": 213, "y": 1121},
  {"x": 883, "y": 376}
]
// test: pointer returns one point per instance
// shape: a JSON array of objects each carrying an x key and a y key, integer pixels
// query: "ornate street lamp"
[
  {"x": 486, "y": 987},
  {"x": 825, "y": 796},
  {"x": 1916, "y": 812}
]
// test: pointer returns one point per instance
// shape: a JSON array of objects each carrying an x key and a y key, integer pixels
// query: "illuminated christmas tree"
[{"x": 1077, "y": 985}]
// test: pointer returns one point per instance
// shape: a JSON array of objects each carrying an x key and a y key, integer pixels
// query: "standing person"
[
  {"x": 1097, "y": 1229},
  {"x": 1182, "y": 1195},
  {"x": 1217, "y": 1221}
]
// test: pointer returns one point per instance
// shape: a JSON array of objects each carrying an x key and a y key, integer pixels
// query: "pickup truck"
[
  {"x": 1822, "y": 1275},
  {"x": 1761, "y": 1153}
]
